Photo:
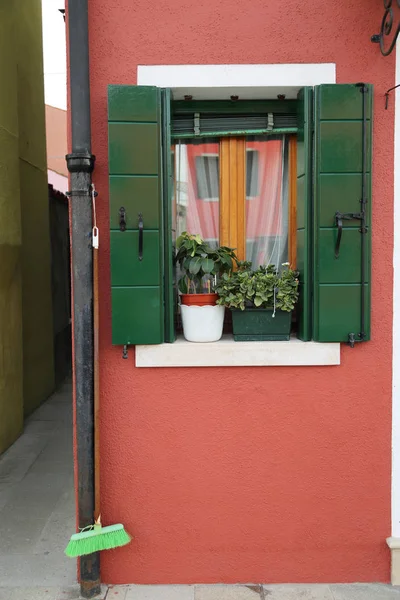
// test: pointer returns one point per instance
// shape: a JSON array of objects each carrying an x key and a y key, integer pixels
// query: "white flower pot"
[{"x": 202, "y": 323}]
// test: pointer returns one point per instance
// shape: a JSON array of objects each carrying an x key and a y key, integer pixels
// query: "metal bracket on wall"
[
  {"x": 390, "y": 27},
  {"x": 80, "y": 162},
  {"x": 125, "y": 352},
  {"x": 387, "y": 95},
  {"x": 81, "y": 193}
]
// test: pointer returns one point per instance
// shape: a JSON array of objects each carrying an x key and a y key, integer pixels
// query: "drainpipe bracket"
[{"x": 80, "y": 162}]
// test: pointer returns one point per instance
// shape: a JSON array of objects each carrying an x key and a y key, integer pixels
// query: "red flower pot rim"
[{"x": 199, "y": 299}]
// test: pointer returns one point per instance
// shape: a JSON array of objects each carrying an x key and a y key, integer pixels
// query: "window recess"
[{"x": 332, "y": 161}]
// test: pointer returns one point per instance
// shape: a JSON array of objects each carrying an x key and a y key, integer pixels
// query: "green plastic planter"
[{"x": 258, "y": 324}]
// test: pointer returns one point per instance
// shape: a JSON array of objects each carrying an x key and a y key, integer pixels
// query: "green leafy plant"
[
  {"x": 261, "y": 288},
  {"x": 200, "y": 264}
]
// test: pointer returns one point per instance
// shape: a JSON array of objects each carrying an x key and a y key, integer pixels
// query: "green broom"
[{"x": 96, "y": 537}]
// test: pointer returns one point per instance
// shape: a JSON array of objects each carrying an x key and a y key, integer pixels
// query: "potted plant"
[
  {"x": 261, "y": 301},
  {"x": 200, "y": 266}
]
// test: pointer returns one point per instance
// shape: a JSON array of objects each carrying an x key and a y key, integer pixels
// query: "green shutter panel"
[
  {"x": 304, "y": 206},
  {"x": 136, "y": 186},
  {"x": 342, "y": 179}
]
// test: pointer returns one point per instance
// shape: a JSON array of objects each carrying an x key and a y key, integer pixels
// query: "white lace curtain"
[
  {"x": 197, "y": 187},
  {"x": 267, "y": 206}
]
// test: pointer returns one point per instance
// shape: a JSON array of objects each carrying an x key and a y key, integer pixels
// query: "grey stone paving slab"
[
  {"x": 35, "y": 500},
  {"x": 22, "y": 570},
  {"x": 227, "y": 592},
  {"x": 117, "y": 592},
  {"x": 46, "y": 466},
  {"x": 19, "y": 533},
  {"x": 65, "y": 506},
  {"x": 5, "y": 492},
  {"x": 29, "y": 593},
  {"x": 367, "y": 591},
  {"x": 39, "y": 428},
  {"x": 160, "y": 592},
  {"x": 73, "y": 593},
  {"x": 297, "y": 592},
  {"x": 55, "y": 535},
  {"x": 59, "y": 448},
  {"x": 16, "y": 462},
  {"x": 53, "y": 411}
]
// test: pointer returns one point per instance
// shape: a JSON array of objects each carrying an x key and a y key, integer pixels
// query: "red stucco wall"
[{"x": 251, "y": 474}]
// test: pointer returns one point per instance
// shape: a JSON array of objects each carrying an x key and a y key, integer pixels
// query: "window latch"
[
  {"x": 339, "y": 218},
  {"x": 122, "y": 219},
  {"x": 140, "y": 225}
]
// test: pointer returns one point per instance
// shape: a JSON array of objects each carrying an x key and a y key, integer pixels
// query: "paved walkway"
[
  {"x": 37, "y": 518},
  {"x": 37, "y": 511},
  {"x": 254, "y": 592}
]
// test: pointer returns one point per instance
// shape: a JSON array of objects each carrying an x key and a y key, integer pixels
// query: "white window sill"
[{"x": 228, "y": 353}]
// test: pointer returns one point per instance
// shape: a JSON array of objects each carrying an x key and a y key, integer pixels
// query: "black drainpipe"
[{"x": 80, "y": 165}]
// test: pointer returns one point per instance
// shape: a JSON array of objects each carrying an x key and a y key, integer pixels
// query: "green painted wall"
[
  {"x": 36, "y": 291},
  {"x": 11, "y": 356},
  {"x": 26, "y": 330},
  {"x": 38, "y": 353}
]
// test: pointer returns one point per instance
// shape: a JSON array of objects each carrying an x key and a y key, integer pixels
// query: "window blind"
[{"x": 209, "y": 124}]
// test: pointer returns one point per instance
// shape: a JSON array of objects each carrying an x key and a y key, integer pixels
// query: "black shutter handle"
[
  {"x": 339, "y": 217},
  {"x": 339, "y": 223},
  {"x": 122, "y": 219},
  {"x": 140, "y": 223}
]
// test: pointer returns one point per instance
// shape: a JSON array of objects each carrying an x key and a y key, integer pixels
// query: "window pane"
[
  {"x": 252, "y": 185},
  {"x": 267, "y": 206},
  {"x": 196, "y": 192}
]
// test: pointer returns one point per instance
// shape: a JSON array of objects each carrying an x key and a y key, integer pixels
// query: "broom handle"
[{"x": 96, "y": 384}]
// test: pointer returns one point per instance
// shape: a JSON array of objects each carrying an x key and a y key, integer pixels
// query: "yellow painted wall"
[
  {"x": 11, "y": 355},
  {"x": 38, "y": 353},
  {"x": 26, "y": 329}
]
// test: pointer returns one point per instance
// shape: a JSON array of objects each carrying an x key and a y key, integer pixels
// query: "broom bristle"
[{"x": 81, "y": 544}]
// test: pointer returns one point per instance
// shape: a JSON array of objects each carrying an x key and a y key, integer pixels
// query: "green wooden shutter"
[
  {"x": 304, "y": 205},
  {"x": 342, "y": 161},
  {"x": 136, "y": 189}
]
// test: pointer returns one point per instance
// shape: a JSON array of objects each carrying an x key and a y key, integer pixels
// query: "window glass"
[
  {"x": 207, "y": 176},
  {"x": 267, "y": 206},
  {"x": 252, "y": 179},
  {"x": 196, "y": 188}
]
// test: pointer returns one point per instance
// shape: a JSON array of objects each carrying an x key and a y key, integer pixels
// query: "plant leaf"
[
  {"x": 207, "y": 264},
  {"x": 195, "y": 265}
]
